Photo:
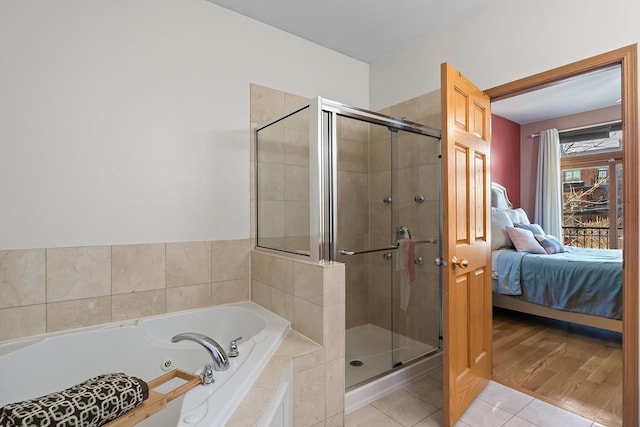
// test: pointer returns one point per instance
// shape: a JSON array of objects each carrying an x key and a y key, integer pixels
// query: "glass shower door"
[{"x": 415, "y": 216}]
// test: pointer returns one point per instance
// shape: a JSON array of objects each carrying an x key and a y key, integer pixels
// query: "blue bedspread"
[{"x": 581, "y": 280}]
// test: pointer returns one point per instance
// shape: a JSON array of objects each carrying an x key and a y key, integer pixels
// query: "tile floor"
[{"x": 419, "y": 404}]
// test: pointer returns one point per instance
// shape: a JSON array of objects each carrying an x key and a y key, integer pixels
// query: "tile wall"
[{"x": 49, "y": 290}]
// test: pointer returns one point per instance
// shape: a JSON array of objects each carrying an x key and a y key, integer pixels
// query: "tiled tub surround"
[
  {"x": 49, "y": 290},
  {"x": 311, "y": 296}
]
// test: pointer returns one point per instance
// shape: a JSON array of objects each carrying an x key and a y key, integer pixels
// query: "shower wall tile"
[
  {"x": 296, "y": 218},
  {"x": 24, "y": 321},
  {"x": 356, "y": 276},
  {"x": 353, "y": 188},
  {"x": 271, "y": 219},
  {"x": 78, "y": 313},
  {"x": 229, "y": 291},
  {"x": 296, "y": 147},
  {"x": 188, "y": 297},
  {"x": 380, "y": 160},
  {"x": 351, "y": 129},
  {"x": 380, "y": 310},
  {"x": 270, "y": 146},
  {"x": 428, "y": 182},
  {"x": 137, "y": 268},
  {"x": 292, "y": 101},
  {"x": 407, "y": 109},
  {"x": 75, "y": 273},
  {"x": 407, "y": 150},
  {"x": 353, "y": 156},
  {"x": 308, "y": 281},
  {"x": 333, "y": 284},
  {"x": 271, "y": 181},
  {"x": 334, "y": 331},
  {"x": 266, "y": 103},
  {"x": 308, "y": 319},
  {"x": 137, "y": 304},
  {"x": 296, "y": 182},
  {"x": 22, "y": 277},
  {"x": 358, "y": 311},
  {"x": 230, "y": 260},
  {"x": 430, "y": 109},
  {"x": 188, "y": 263}
]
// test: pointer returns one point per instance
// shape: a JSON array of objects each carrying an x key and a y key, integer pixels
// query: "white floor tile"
[
  {"x": 368, "y": 416},
  {"x": 404, "y": 407},
  {"x": 433, "y": 420},
  {"x": 518, "y": 422},
  {"x": 504, "y": 397},
  {"x": 545, "y": 415},
  {"x": 483, "y": 414}
]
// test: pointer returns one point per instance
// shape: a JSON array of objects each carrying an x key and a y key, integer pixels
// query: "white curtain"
[{"x": 549, "y": 186}]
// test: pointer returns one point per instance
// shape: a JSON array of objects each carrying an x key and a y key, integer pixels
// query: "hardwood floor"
[{"x": 573, "y": 367}]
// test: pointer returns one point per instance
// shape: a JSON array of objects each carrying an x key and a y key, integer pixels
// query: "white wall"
[
  {"x": 506, "y": 41},
  {"x": 128, "y": 121}
]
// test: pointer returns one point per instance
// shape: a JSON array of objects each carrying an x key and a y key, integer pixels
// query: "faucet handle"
[
  {"x": 233, "y": 348},
  {"x": 206, "y": 376}
]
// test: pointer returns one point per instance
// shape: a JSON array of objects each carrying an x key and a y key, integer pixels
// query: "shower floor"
[{"x": 371, "y": 345}]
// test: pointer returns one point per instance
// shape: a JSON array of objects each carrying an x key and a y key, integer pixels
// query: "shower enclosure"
[{"x": 337, "y": 183}]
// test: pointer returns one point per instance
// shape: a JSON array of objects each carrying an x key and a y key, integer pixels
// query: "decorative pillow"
[
  {"x": 524, "y": 219},
  {"x": 550, "y": 244},
  {"x": 534, "y": 228},
  {"x": 499, "y": 237},
  {"x": 524, "y": 241}
]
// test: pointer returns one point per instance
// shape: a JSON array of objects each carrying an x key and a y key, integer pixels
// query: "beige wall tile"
[
  {"x": 308, "y": 279},
  {"x": 251, "y": 407},
  {"x": 22, "y": 277},
  {"x": 308, "y": 360},
  {"x": 76, "y": 273},
  {"x": 271, "y": 375},
  {"x": 334, "y": 284},
  {"x": 270, "y": 219},
  {"x": 292, "y": 101},
  {"x": 261, "y": 294},
  {"x": 230, "y": 260},
  {"x": 271, "y": 144},
  {"x": 229, "y": 291},
  {"x": 188, "y": 263},
  {"x": 78, "y": 313},
  {"x": 281, "y": 274},
  {"x": 334, "y": 331},
  {"x": 266, "y": 103},
  {"x": 309, "y": 399},
  {"x": 296, "y": 344},
  {"x": 282, "y": 304},
  {"x": 23, "y": 321},
  {"x": 334, "y": 383},
  {"x": 358, "y": 313},
  {"x": 260, "y": 266},
  {"x": 296, "y": 182},
  {"x": 137, "y": 304},
  {"x": 308, "y": 319},
  {"x": 270, "y": 181},
  {"x": 296, "y": 147},
  {"x": 188, "y": 297},
  {"x": 136, "y": 268}
]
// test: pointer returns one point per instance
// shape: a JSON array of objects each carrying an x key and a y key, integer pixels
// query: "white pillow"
[
  {"x": 524, "y": 241},
  {"x": 499, "y": 237},
  {"x": 516, "y": 215}
]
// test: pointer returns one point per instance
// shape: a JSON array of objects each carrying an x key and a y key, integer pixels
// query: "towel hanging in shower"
[{"x": 406, "y": 265}]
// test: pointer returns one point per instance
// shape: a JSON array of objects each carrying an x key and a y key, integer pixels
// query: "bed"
[{"x": 582, "y": 286}]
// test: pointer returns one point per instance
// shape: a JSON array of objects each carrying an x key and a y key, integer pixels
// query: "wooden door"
[{"x": 466, "y": 285}]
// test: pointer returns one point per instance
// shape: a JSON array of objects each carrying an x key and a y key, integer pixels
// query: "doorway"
[{"x": 627, "y": 59}]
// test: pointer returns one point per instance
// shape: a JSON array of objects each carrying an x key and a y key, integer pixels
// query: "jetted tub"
[{"x": 35, "y": 366}]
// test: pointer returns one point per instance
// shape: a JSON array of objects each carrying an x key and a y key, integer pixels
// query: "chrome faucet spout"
[{"x": 217, "y": 353}]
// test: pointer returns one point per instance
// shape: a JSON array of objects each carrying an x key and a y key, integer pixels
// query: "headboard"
[{"x": 499, "y": 197}]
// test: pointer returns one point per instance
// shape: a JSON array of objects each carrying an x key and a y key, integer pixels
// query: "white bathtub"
[{"x": 35, "y": 366}]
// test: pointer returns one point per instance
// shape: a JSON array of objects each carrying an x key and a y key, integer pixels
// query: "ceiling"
[
  {"x": 361, "y": 29},
  {"x": 367, "y": 30}
]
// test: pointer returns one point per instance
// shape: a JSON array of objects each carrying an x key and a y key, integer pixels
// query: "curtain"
[{"x": 549, "y": 186}]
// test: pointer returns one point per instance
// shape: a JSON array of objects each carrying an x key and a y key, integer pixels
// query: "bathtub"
[{"x": 35, "y": 366}]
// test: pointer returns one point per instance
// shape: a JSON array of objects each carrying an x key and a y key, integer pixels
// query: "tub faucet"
[{"x": 217, "y": 353}]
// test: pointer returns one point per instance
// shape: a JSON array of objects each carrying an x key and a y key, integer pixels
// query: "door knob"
[{"x": 462, "y": 263}]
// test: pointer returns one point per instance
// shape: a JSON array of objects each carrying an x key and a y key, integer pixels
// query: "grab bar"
[{"x": 387, "y": 248}]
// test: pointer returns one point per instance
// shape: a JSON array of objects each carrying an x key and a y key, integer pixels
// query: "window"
[{"x": 591, "y": 187}]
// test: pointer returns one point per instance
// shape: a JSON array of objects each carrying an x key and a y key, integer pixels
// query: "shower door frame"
[{"x": 323, "y": 167}]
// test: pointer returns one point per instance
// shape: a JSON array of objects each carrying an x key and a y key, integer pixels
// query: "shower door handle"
[{"x": 368, "y": 251}]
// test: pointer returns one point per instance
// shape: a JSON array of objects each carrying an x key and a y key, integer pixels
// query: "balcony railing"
[{"x": 591, "y": 237}]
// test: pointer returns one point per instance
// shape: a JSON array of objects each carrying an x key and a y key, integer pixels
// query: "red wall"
[{"x": 505, "y": 156}]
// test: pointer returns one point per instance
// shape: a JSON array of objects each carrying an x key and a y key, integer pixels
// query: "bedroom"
[{"x": 574, "y": 354}]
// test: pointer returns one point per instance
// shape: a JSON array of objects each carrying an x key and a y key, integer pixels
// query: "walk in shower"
[{"x": 343, "y": 184}]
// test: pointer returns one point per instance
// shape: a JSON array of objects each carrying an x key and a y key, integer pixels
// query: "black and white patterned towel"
[{"x": 92, "y": 403}]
